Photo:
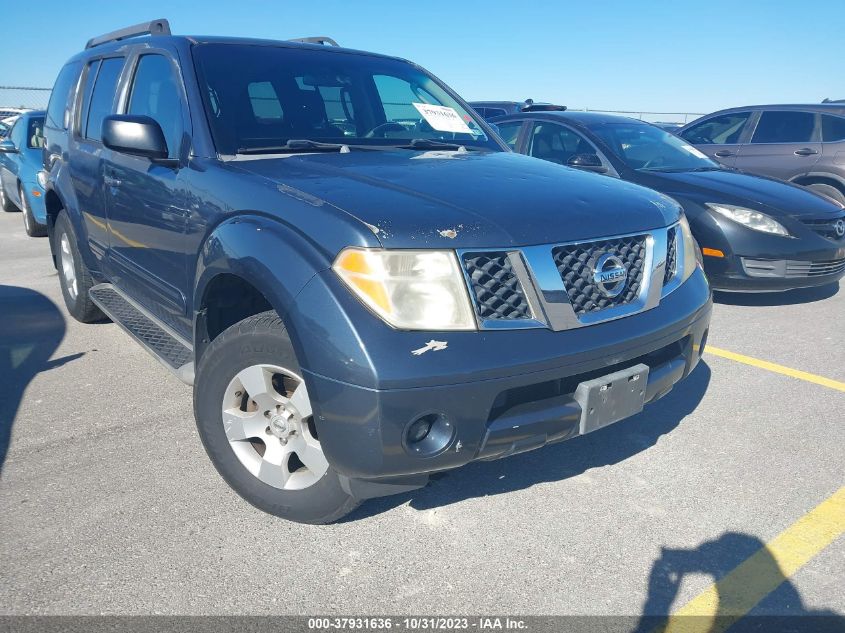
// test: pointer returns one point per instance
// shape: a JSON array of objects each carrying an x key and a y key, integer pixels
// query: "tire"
[
  {"x": 828, "y": 191},
  {"x": 249, "y": 378},
  {"x": 74, "y": 277},
  {"x": 7, "y": 205},
  {"x": 32, "y": 226}
]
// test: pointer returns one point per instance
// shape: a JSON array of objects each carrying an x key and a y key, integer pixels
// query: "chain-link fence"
[
  {"x": 651, "y": 117},
  {"x": 24, "y": 97}
]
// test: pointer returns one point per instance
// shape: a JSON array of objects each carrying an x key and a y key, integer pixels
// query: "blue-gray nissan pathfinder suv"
[{"x": 362, "y": 284}]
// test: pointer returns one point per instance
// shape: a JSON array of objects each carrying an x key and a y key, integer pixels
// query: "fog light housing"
[{"x": 428, "y": 435}]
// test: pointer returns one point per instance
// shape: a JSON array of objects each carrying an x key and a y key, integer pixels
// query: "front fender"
[{"x": 267, "y": 254}]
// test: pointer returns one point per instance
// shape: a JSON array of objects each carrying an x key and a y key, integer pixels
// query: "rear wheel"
[
  {"x": 254, "y": 416},
  {"x": 829, "y": 191},
  {"x": 74, "y": 276},
  {"x": 6, "y": 204},
  {"x": 32, "y": 226}
]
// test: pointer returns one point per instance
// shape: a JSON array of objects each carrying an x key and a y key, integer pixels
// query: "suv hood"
[
  {"x": 734, "y": 187},
  {"x": 413, "y": 199}
]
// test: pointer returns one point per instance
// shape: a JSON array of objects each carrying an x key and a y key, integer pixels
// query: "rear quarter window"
[
  {"x": 833, "y": 128},
  {"x": 57, "y": 109}
]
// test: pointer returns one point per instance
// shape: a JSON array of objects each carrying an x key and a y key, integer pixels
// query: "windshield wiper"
[
  {"x": 427, "y": 143},
  {"x": 296, "y": 145}
]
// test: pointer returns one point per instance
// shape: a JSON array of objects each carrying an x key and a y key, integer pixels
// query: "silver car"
[{"x": 804, "y": 144}]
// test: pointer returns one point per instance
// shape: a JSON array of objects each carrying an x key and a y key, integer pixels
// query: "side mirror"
[
  {"x": 589, "y": 162},
  {"x": 133, "y": 134},
  {"x": 7, "y": 147}
]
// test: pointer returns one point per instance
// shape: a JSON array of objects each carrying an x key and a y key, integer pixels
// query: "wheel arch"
[
  {"x": 250, "y": 264},
  {"x": 820, "y": 178}
]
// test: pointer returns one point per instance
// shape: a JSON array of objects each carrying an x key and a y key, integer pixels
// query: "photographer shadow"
[
  {"x": 31, "y": 328},
  {"x": 556, "y": 462},
  {"x": 743, "y": 570}
]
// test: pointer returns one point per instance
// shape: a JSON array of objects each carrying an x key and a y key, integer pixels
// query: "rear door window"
[
  {"x": 725, "y": 129},
  {"x": 833, "y": 128},
  {"x": 784, "y": 127},
  {"x": 102, "y": 98}
]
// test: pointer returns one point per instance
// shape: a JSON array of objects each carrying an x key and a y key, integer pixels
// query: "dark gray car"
[{"x": 804, "y": 144}]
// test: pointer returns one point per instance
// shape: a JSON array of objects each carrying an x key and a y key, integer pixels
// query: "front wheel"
[
  {"x": 32, "y": 226},
  {"x": 828, "y": 191},
  {"x": 254, "y": 417}
]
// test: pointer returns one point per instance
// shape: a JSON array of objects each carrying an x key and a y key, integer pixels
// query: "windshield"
[
  {"x": 260, "y": 97},
  {"x": 643, "y": 146}
]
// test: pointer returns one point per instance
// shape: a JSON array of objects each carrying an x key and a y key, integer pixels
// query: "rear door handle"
[
  {"x": 805, "y": 151},
  {"x": 724, "y": 153}
]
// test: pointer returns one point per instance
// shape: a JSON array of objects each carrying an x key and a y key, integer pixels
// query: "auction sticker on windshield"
[{"x": 443, "y": 118}]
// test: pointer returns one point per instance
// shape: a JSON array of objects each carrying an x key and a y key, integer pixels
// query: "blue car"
[{"x": 20, "y": 163}]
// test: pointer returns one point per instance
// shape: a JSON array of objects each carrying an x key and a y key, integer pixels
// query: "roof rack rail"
[
  {"x": 320, "y": 39},
  {"x": 156, "y": 27}
]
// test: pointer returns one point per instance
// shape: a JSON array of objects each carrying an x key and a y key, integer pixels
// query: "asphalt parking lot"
[{"x": 108, "y": 503}]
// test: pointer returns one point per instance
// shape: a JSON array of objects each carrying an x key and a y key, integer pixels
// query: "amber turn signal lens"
[{"x": 712, "y": 252}]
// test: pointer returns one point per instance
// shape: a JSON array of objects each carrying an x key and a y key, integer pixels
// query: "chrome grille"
[
  {"x": 576, "y": 262},
  {"x": 497, "y": 291},
  {"x": 671, "y": 254},
  {"x": 826, "y": 227}
]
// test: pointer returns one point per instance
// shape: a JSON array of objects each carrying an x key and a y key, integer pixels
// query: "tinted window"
[
  {"x": 60, "y": 95},
  {"x": 784, "y": 127},
  {"x": 720, "y": 130},
  {"x": 155, "y": 94},
  {"x": 557, "y": 144},
  {"x": 90, "y": 77},
  {"x": 509, "y": 132},
  {"x": 35, "y": 133},
  {"x": 833, "y": 128},
  {"x": 102, "y": 99},
  {"x": 325, "y": 96}
]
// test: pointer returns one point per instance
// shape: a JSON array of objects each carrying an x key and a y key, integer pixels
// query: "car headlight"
[
  {"x": 410, "y": 290},
  {"x": 750, "y": 218},
  {"x": 41, "y": 177},
  {"x": 690, "y": 249}
]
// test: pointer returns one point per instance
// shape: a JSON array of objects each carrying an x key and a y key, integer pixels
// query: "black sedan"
[{"x": 757, "y": 234}]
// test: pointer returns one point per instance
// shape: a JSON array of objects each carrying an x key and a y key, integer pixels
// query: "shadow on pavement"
[
  {"x": 556, "y": 462},
  {"x": 744, "y": 571},
  {"x": 31, "y": 328},
  {"x": 768, "y": 299}
]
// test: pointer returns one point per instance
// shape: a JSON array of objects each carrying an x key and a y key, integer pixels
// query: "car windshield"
[
  {"x": 264, "y": 98},
  {"x": 643, "y": 146}
]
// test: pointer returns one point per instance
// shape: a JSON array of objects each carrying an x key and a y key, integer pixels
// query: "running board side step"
[{"x": 171, "y": 350}]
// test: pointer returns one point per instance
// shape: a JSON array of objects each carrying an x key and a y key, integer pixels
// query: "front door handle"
[
  {"x": 805, "y": 151},
  {"x": 724, "y": 153},
  {"x": 111, "y": 182}
]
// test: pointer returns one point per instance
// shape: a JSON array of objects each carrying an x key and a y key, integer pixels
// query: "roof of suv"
[{"x": 838, "y": 108}]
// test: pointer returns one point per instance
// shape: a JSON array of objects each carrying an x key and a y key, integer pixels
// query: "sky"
[{"x": 611, "y": 55}]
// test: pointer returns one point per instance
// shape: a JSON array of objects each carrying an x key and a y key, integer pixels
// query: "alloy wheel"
[
  {"x": 268, "y": 421},
  {"x": 68, "y": 268}
]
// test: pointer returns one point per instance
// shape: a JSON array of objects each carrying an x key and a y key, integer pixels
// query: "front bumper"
[
  {"x": 736, "y": 273},
  {"x": 362, "y": 428}
]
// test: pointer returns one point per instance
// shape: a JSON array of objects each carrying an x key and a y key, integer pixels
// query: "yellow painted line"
[
  {"x": 737, "y": 593},
  {"x": 780, "y": 369},
  {"x": 117, "y": 234}
]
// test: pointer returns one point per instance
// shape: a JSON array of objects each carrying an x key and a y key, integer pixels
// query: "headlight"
[
  {"x": 690, "y": 249},
  {"x": 41, "y": 177},
  {"x": 750, "y": 218},
  {"x": 410, "y": 290}
]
